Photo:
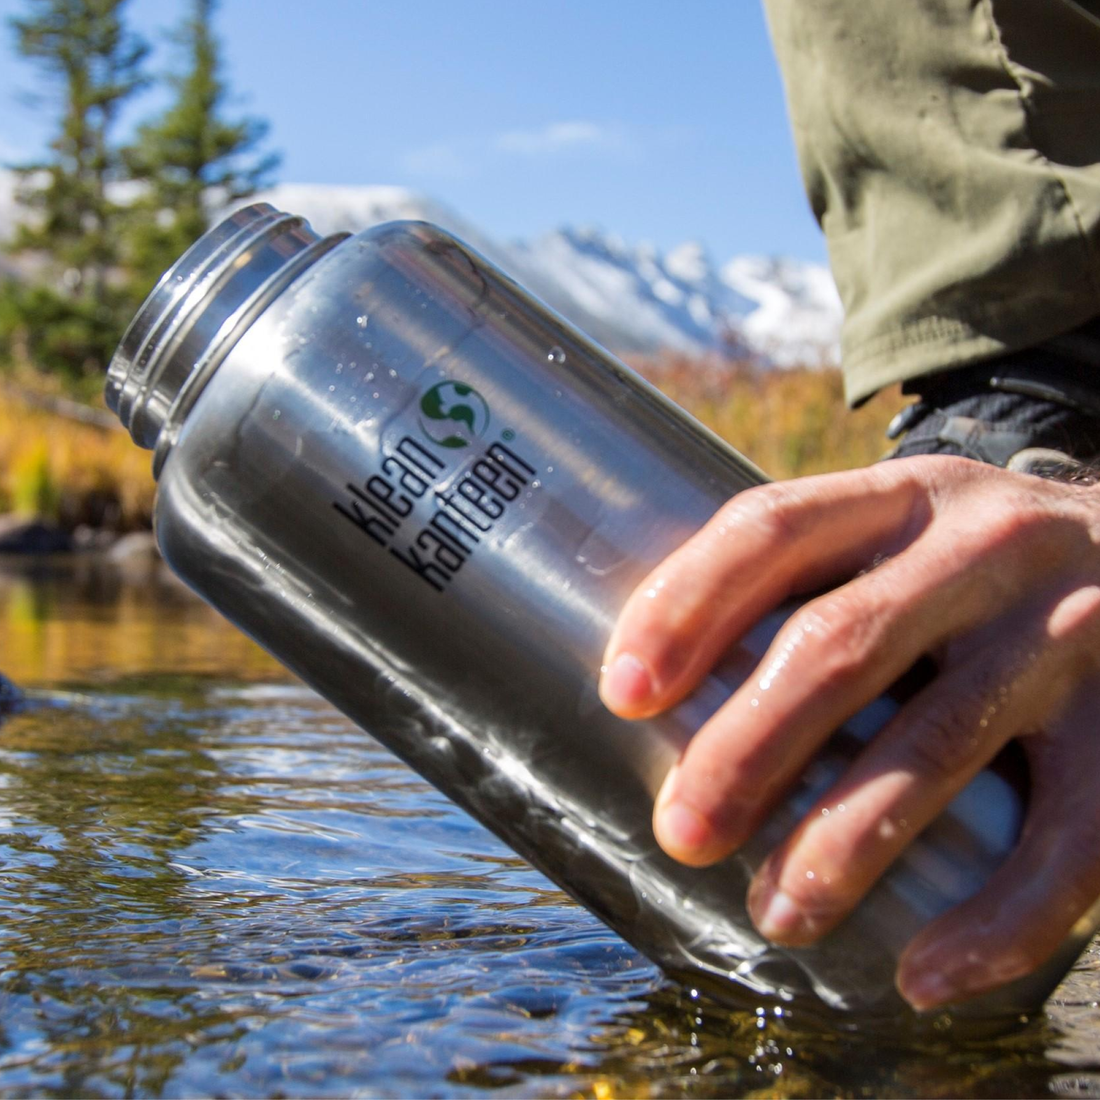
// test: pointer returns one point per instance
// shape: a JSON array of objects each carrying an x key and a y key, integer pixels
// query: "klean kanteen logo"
[
  {"x": 453, "y": 414},
  {"x": 383, "y": 506}
]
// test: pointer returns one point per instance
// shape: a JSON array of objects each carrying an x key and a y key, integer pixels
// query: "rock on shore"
[
  {"x": 31, "y": 535},
  {"x": 38, "y": 535},
  {"x": 10, "y": 695}
]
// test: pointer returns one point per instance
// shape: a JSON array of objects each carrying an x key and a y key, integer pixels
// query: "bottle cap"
[{"x": 199, "y": 308}]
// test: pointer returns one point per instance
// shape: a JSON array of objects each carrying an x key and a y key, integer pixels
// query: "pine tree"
[
  {"x": 84, "y": 50},
  {"x": 191, "y": 157}
]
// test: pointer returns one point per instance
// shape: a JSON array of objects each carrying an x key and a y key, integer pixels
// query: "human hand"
[{"x": 996, "y": 577}]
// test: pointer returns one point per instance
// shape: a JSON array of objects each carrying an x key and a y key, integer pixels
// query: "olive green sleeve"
[{"x": 951, "y": 152}]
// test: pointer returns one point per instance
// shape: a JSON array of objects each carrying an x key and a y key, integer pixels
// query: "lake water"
[{"x": 212, "y": 883}]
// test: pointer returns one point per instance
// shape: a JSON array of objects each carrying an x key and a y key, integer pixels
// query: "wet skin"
[{"x": 993, "y": 575}]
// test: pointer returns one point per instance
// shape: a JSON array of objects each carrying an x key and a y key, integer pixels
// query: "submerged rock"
[
  {"x": 139, "y": 547},
  {"x": 135, "y": 557}
]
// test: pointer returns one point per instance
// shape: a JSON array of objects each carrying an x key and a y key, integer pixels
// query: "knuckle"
[
  {"x": 773, "y": 513},
  {"x": 838, "y": 635},
  {"x": 667, "y": 654},
  {"x": 936, "y": 466},
  {"x": 940, "y": 746},
  {"x": 1025, "y": 528},
  {"x": 820, "y": 899},
  {"x": 738, "y": 794},
  {"x": 939, "y": 479},
  {"x": 1076, "y": 618},
  {"x": 1015, "y": 522},
  {"x": 835, "y": 862}
]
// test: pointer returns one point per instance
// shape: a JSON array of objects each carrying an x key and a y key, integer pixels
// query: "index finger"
[{"x": 766, "y": 544}]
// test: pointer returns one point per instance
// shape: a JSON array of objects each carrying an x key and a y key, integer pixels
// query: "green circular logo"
[{"x": 453, "y": 414}]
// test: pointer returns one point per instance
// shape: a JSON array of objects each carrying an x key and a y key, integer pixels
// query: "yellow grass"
[
  {"x": 75, "y": 472},
  {"x": 788, "y": 422}
]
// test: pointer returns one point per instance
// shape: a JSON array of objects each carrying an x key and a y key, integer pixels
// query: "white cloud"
[
  {"x": 461, "y": 159},
  {"x": 440, "y": 160},
  {"x": 560, "y": 137}
]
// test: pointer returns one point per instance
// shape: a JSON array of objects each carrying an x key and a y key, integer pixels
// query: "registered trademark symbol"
[{"x": 508, "y": 434}]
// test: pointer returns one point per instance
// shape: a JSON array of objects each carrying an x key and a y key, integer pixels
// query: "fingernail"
[
  {"x": 928, "y": 989},
  {"x": 777, "y": 917},
  {"x": 927, "y": 983},
  {"x": 922, "y": 980},
  {"x": 680, "y": 830},
  {"x": 625, "y": 682}
]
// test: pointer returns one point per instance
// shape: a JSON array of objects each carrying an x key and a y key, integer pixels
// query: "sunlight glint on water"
[{"x": 213, "y": 883}]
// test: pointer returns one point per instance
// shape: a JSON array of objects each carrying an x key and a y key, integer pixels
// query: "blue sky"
[{"x": 660, "y": 120}]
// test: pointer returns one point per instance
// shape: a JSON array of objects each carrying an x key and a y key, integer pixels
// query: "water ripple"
[{"x": 216, "y": 888}]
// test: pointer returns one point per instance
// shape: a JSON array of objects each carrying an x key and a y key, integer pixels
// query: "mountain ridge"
[{"x": 630, "y": 298}]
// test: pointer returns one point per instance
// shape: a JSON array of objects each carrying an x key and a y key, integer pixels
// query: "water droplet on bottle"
[
  {"x": 555, "y": 355},
  {"x": 361, "y": 320},
  {"x": 331, "y": 388},
  {"x": 276, "y": 414},
  {"x": 339, "y": 368}
]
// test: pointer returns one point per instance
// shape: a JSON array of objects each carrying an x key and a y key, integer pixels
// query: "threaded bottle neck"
[{"x": 199, "y": 308}]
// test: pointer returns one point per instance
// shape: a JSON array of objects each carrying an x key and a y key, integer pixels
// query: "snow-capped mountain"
[
  {"x": 796, "y": 312},
  {"x": 631, "y": 298}
]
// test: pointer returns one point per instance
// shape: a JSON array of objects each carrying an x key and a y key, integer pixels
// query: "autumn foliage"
[
  {"x": 789, "y": 422},
  {"x": 58, "y": 468}
]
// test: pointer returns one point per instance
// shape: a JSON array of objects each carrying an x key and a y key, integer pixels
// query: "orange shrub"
[{"x": 789, "y": 422}]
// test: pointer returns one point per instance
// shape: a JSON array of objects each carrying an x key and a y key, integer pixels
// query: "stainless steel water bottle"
[{"x": 429, "y": 496}]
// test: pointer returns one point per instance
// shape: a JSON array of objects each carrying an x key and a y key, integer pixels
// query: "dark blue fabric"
[{"x": 1011, "y": 421}]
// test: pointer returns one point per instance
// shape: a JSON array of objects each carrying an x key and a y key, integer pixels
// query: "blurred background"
[{"x": 631, "y": 164}]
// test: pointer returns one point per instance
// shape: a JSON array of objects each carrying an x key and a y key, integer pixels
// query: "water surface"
[{"x": 212, "y": 883}]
